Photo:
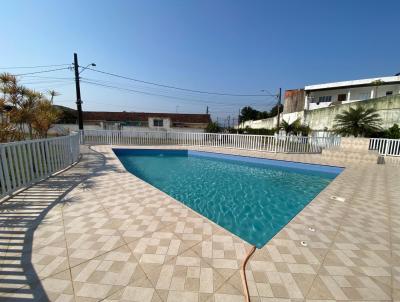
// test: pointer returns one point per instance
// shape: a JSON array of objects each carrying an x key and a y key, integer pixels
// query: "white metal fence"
[
  {"x": 385, "y": 146},
  {"x": 287, "y": 144},
  {"x": 25, "y": 162}
]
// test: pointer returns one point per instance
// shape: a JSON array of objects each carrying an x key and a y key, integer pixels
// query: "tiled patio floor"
[{"x": 96, "y": 232}]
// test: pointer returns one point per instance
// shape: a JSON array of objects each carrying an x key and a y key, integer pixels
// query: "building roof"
[
  {"x": 354, "y": 83},
  {"x": 144, "y": 116}
]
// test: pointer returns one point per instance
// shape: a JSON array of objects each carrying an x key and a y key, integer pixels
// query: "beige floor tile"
[
  {"x": 107, "y": 274},
  {"x": 175, "y": 254}
]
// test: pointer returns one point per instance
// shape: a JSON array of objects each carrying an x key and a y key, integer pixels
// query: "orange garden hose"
[{"x": 243, "y": 274}]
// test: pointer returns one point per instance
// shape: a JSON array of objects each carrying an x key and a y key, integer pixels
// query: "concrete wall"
[
  {"x": 321, "y": 119},
  {"x": 271, "y": 122},
  {"x": 66, "y": 128},
  {"x": 388, "y": 108}
]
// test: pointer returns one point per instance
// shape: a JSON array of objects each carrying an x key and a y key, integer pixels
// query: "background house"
[
  {"x": 139, "y": 121},
  {"x": 151, "y": 120}
]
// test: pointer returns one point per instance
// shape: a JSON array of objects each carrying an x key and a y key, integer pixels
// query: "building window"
[
  {"x": 158, "y": 123},
  {"x": 342, "y": 97},
  {"x": 389, "y": 92},
  {"x": 324, "y": 99},
  {"x": 364, "y": 96}
]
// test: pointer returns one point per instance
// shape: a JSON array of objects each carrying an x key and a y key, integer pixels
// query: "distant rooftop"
[
  {"x": 144, "y": 116},
  {"x": 354, "y": 83}
]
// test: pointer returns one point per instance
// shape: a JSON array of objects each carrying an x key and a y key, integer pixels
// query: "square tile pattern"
[{"x": 97, "y": 233}]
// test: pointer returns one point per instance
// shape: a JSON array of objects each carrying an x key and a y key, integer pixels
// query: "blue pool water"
[{"x": 252, "y": 198}]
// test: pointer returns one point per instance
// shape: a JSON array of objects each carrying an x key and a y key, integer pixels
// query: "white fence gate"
[
  {"x": 25, "y": 162},
  {"x": 287, "y": 144}
]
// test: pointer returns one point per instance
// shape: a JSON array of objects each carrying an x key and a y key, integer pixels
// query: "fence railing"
[
  {"x": 385, "y": 146},
  {"x": 25, "y": 162},
  {"x": 287, "y": 144}
]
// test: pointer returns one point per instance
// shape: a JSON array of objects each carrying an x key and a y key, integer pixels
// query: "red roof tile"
[{"x": 144, "y": 116}]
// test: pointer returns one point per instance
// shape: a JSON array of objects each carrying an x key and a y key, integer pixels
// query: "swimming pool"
[{"x": 251, "y": 197}]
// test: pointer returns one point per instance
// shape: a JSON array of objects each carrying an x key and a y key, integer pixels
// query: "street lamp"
[
  {"x": 78, "y": 90},
  {"x": 91, "y": 64}
]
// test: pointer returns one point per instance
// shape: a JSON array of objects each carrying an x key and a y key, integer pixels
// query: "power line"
[
  {"x": 44, "y": 77},
  {"x": 156, "y": 94},
  {"x": 141, "y": 92},
  {"x": 51, "y": 86},
  {"x": 177, "y": 88},
  {"x": 30, "y": 82},
  {"x": 182, "y": 94},
  {"x": 42, "y": 71},
  {"x": 38, "y": 66}
]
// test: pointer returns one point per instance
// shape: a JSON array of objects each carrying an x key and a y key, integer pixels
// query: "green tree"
[
  {"x": 393, "y": 132},
  {"x": 213, "y": 127},
  {"x": 247, "y": 114},
  {"x": 274, "y": 110},
  {"x": 357, "y": 121}
]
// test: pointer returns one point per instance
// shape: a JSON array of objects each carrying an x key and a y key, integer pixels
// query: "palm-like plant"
[
  {"x": 291, "y": 128},
  {"x": 52, "y": 94},
  {"x": 45, "y": 116},
  {"x": 25, "y": 108},
  {"x": 6, "y": 81},
  {"x": 357, "y": 121}
]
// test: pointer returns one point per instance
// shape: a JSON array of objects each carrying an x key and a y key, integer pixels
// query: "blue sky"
[{"x": 238, "y": 47}]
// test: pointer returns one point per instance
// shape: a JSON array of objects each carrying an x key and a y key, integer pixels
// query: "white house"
[
  {"x": 324, "y": 95},
  {"x": 382, "y": 94}
]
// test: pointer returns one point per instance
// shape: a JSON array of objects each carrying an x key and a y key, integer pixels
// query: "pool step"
[
  {"x": 352, "y": 155},
  {"x": 353, "y": 150}
]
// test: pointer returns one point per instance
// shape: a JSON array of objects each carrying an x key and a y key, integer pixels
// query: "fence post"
[{"x": 386, "y": 147}]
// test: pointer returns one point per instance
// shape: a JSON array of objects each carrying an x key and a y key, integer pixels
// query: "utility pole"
[
  {"x": 78, "y": 92},
  {"x": 279, "y": 108},
  {"x": 207, "y": 110},
  {"x": 238, "y": 122}
]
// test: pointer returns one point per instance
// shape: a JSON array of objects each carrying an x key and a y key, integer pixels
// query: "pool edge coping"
[{"x": 112, "y": 147}]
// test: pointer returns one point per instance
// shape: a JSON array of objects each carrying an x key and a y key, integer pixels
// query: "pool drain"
[{"x": 338, "y": 198}]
